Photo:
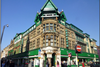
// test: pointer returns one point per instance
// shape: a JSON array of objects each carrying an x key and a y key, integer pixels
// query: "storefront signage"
[
  {"x": 17, "y": 39},
  {"x": 39, "y": 53},
  {"x": 62, "y": 22},
  {"x": 29, "y": 30},
  {"x": 49, "y": 55},
  {"x": 38, "y": 22}
]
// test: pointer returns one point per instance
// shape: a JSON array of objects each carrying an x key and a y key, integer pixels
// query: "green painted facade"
[{"x": 83, "y": 54}]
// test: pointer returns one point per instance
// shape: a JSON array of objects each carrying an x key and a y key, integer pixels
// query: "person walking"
[
  {"x": 3, "y": 64},
  {"x": 65, "y": 64},
  {"x": 57, "y": 64},
  {"x": 33, "y": 63},
  {"x": 62, "y": 65},
  {"x": 47, "y": 64}
]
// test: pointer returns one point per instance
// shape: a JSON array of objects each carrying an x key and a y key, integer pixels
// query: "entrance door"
[{"x": 53, "y": 60}]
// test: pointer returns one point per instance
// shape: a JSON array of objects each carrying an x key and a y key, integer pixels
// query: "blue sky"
[{"x": 20, "y": 15}]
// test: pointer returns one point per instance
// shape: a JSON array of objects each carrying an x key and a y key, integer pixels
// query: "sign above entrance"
[
  {"x": 17, "y": 39},
  {"x": 39, "y": 54}
]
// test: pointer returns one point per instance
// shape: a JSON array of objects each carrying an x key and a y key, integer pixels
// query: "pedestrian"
[
  {"x": 65, "y": 64},
  {"x": 10, "y": 64},
  {"x": 47, "y": 64},
  {"x": 57, "y": 64},
  {"x": 83, "y": 64},
  {"x": 62, "y": 65},
  {"x": 91, "y": 64},
  {"x": 3, "y": 64},
  {"x": 33, "y": 63}
]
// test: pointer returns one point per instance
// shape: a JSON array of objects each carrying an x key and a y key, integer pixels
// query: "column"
[
  {"x": 76, "y": 60},
  {"x": 49, "y": 59},
  {"x": 41, "y": 62}
]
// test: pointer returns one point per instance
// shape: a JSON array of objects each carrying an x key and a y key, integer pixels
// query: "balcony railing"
[
  {"x": 82, "y": 41},
  {"x": 49, "y": 31}
]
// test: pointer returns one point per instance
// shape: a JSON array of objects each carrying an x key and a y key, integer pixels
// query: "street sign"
[
  {"x": 39, "y": 54},
  {"x": 69, "y": 55},
  {"x": 78, "y": 47}
]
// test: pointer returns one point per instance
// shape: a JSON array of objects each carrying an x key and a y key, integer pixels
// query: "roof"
[{"x": 49, "y": 6}]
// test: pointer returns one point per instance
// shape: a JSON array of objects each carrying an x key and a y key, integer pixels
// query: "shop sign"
[
  {"x": 49, "y": 55},
  {"x": 39, "y": 53},
  {"x": 17, "y": 39},
  {"x": 62, "y": 22},
  {"x": 38, "y": 22},
  {"x": 29, "y": 30}
]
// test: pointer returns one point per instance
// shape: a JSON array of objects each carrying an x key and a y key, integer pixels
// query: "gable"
[{"x": 49, "y": 6}]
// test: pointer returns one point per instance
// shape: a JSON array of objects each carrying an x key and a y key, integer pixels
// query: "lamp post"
[
  {"x": 1, "y": 41},
  {"x": 2, "y": 33}
]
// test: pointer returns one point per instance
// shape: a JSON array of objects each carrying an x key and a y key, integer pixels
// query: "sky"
[{"x": 20, "y": 15}]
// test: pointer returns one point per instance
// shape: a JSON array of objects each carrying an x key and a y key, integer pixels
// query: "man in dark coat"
[{"x": 65, "y": 64}]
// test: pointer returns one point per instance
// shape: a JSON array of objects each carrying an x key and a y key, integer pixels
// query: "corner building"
[{"x": 54, "y": 38}]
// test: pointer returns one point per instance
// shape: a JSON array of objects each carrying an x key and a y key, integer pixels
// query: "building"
[
  {"x": 51, "y": 38},
  {"x": 4, "y": 52},
  {"x": 98, "y": 50}
]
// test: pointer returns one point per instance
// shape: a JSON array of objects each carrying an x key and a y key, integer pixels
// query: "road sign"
[
  {"x": 78, "y": 48},
  {"x": 69, "y": 55},
  {"x": 39, "y": 53}
]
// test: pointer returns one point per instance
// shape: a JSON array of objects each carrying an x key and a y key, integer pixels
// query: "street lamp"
[{"x": 2, "y": 33}]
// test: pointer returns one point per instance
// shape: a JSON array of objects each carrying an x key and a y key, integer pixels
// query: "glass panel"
[
  {"x": 47, "y": 24},
  {"x": 43, "y": 29},
  {"x": 51, "y": 44},
  {"x": 55, "y": 29},
  {"x": 54, "y": 37},
  {"x": 47, "y": 28},
  {"x": 46, "y": 36},
  {"x": 43, "y": 25},
  {"x": 46, "y": 40},
  {"x": 46, "y": 44},
  {"x": 51, "y": 40},
  {"x": 43, "y": 44},
  {"x": 54, "y": 44},
  {"x": 51, "y": 28},
  {"x": 51, "y": 36},
  {"x": 54, "y": 25},
  {"x": 51, "y": 24}
]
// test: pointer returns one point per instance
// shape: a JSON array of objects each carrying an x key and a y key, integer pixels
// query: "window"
[
  {"x": 47, "y": 28},
  {"x": 44, "y": 41},
  {"x": 62, "y": 42},
  {"x": 46, "y": 36},
  {"x": 47, "y": 24},
  {"x": 51, "y": 24},
  {"x": 51, "y": 36},
  {"x": 38, "y": 42},
  {"x": 38, "y": 31},
  {"x": 47, "y": 44},
  {"x": 43, "y": 25},
  {"x": 51, "y": 44},
  {"x": 51, "y": 41},
  {"x": 51, "y": 28}
]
